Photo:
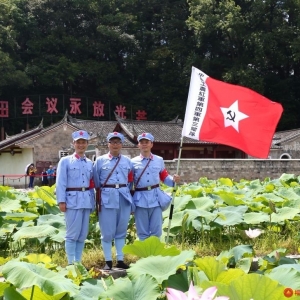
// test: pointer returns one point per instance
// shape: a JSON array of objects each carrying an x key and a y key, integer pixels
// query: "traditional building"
[{"x": 45, "y": 146}]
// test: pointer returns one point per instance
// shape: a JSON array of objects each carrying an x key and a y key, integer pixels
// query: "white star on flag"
[{"x": 232, "y": 116}]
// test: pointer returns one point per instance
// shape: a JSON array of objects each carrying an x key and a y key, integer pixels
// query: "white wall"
[{"x": 13, "y": 168}]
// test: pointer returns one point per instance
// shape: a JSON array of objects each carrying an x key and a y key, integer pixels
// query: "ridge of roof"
[
  {"x": 27, "y": 136},
  {"x": 23, "y": 132},
  {"x": 80, "y": 121},
  {"x": 131, "y": 133},
  {"x": 173, "y": 122},
  {"x": 20, "y": 136}
]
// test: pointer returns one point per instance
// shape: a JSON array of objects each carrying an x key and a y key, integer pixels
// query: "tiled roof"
[
  {"x": 46, "y": 130},
  {"x": 26, "y": 137},
  {"x": 94, "y": 128},
  {"x": 99, "y": 129},
  {"x": 163, "y": 132},
  {"x": 15, "y": 139},
  {"x": 284, "y": 136}
]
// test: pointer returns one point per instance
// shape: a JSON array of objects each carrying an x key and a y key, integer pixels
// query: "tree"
[
  {"x": 12, "y": 71},
  {"x": 161, "y": 67},
  {"x": 250, "y": 43}
]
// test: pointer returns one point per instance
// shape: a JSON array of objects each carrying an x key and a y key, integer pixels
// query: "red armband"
[
  {"x": 163, "y": 175},
  {"x": 130, "y": 176},
  {"x": 92, "y": 184}
]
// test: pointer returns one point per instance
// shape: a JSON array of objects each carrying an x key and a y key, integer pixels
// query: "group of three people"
[
  {"x": 48, "y": 177},
  {"x": 114, "y": 175}
]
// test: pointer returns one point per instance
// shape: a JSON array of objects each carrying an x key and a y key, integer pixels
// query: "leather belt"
[
  {"x": 114, "y": 186},
  {"x": 147, "y": 188},
  {"x": 81, "y": 189}
]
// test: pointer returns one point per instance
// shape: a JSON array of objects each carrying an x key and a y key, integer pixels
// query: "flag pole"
[{"x": 174, "y": 191}]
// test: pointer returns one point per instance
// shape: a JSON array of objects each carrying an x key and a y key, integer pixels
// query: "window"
[{"x": 62, "y": 153}]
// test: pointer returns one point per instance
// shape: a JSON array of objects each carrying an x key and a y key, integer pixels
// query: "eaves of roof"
[
  {"x": 30, "y": 135},
  {"x": 15, "y": 139}
]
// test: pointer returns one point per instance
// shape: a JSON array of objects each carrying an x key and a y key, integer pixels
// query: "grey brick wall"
[{"x": 192, "y": 170}]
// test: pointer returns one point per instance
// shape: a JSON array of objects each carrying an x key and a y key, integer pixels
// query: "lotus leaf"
[
  {"x": 160, "y": 267},
  {"x": 144, "y": 287},
  {"x": 24, "y": 275},
  {"x": 152, "y": 246}
]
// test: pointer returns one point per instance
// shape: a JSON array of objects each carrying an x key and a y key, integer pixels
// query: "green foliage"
[
  {"x": 22, "y": 275},
  {"x": 245, "y": 287},
  {"x": 25, "y": 222},
  {"x": 35, "y": 232},
  {"x": 214, "y": 209},
  {"x": 141, "y": 52},
  {"x": 150, "y": 247},
  {"x": 157, "y": 268},
  {"x": 10, "y": 293},
  {"x": 143, "y": 287},
  {"x": 247, "y": 43},
  {"x": 11, "y": 66},
  {"x": 220, "y": 212},
  {"x": 204, "y": 272}
]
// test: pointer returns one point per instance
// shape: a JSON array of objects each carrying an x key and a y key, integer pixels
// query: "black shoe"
[
  {"x": 121, "y": 265},
  {"x": 108, "y": 265}
]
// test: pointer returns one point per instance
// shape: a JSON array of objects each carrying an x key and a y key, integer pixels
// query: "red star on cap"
[
  {"x": 143, "y": 134},
  {"x": 81, "y": 133},
  {"x": 115, "y": 133}
]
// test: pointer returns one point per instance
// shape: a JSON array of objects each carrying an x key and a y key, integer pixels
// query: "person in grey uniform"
[
  {"x": 112, "y": 174},
  {"x": 74, "y": 195},
  {"x": 149, "y": 200}
]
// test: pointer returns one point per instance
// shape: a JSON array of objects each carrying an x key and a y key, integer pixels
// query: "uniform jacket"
[
  {"x": 110, "y": 197},
  {"x": 75, "y": 172},
  {"x": 154, "y": 173}
]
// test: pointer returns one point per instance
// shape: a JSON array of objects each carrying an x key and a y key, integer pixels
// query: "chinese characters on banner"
[
  {"x": 75, "y": 104},
  {"x": 27, "y": 107},
  {"x": 51, "y": 103}
]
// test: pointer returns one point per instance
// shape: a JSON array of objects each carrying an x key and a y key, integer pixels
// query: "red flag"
[{"x": 230, "y": 114}]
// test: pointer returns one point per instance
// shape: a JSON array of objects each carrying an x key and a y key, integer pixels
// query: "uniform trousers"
[
  {"x": 113, "y": 225},
  {"x": 77, "y": 225},
  {"x": 148, "y": 222}
]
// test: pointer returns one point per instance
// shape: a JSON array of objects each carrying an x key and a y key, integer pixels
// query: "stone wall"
[
  {"x": 191, "y": 170},
  {"x": 46, "y": 147}
]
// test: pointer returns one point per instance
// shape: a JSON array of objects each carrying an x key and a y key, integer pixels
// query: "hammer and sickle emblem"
[{"x": 232, "y": 116}]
